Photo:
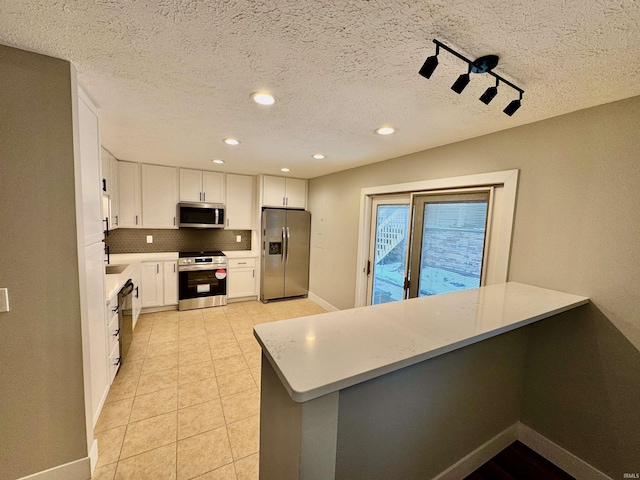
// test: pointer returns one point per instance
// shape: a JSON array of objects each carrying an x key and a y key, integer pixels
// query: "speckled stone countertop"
[{"x": 321, "y": 354}]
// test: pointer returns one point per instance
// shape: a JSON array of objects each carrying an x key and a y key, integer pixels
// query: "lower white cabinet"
[
  {"x": 170, "y": 283},
  {"x": 159, "y": 284},
  {"x": 113, "y": 337},
  {"x": 241, "y": 277}
]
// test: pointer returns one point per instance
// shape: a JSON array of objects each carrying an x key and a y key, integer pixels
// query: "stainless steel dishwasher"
[{"x": 125, "y": 320}]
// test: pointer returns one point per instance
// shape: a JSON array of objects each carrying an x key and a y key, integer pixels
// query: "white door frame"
[{"x": 505, "y": 183}]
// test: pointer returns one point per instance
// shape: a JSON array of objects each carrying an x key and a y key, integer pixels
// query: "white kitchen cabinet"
[
  {"x": 159, "y": 283},
  {"x": 239, "y": 202},
  {"x": 113, "y": 337},
  {"x": 159, "y": 196},
  {"x": 241, "y": 278},
  {"x": 151, "y": 285},
  {"x": 201, "y": 186},
  {"x": 109, "y": 187},
  {"x": 90, "y": 171},
  {"x": 170, "y": 282},
  {"x": 284, "y": 192},
  {"x": 129, "y": 199},
  {"x": 106, "y": 170}
]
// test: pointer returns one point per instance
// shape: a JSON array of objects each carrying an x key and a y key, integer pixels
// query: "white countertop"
[
  {"x": 321, "y": 354},
  {"x": 241, "y": 253}
]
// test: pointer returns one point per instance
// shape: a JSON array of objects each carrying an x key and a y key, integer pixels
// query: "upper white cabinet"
[
  {"x": 201, "y": 186},
  {"x": 159, "y": 196},
  {"x": 110, "y": 186},
  {"x": 284, "y": 192},
  {"x": 90, "y": 171},
  {"x": 239, "y": 202},
  {"x": 129, "y": 200}
]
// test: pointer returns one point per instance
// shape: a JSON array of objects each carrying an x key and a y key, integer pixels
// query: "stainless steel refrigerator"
[{"x": 285, "y": 253}]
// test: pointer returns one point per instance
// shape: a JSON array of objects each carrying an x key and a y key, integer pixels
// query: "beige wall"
[
  {"x": 576, "y": 230},
  {"x": 42, "y": 395}
]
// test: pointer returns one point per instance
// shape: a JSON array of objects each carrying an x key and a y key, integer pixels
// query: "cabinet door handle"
[
  {"x": 204, "y": 196},
  {"x": 283, "y": 202},
  {"x": 174, "y": 268},
  {"x": 242, "y": 263},
  {"x": 253, "y": 273},
  {"x": 104, "y": 184},
  {"x": 116, "y": 219},
  {"x": 136, "y": 219},
  {"x": 174, "y": 221},
  {"x": 157, "y": 268},
  {"x": 116, "y": 333}
]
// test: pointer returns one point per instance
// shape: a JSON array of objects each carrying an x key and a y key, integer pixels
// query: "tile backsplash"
[{"x": 134, "y": 240}]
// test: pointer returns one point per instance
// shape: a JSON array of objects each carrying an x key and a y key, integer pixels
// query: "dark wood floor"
[{"x": 518, "y": 462}]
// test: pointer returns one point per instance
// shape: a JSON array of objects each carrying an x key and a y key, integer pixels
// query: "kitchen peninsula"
[{"x": 400, "y": 390}]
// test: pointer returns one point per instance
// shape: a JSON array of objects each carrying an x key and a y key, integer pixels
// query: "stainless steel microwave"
[{"x": 201, "y": 215}]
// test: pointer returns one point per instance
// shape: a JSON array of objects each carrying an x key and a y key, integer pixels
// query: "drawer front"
[
  {"x": 114, "y": 362},
  {"x": 113, "y": 331},
  {"x": 242, "y": 262}
]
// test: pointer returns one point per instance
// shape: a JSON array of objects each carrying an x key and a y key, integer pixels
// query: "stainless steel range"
[{"x": 202, "y": 280}]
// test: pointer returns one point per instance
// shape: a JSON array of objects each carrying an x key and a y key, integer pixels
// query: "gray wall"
[
  {"x": 416, "y": 422},
  {"x": 42, "y": 395},
  {"x": 576, "y": 230}
]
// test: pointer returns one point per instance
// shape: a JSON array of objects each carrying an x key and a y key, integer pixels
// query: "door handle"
[
  {"x": 284, "y": 246},
  {"x": 288, "y": 237}
]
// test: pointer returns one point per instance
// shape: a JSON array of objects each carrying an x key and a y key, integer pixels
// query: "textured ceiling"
[{"x": 172, "y": 78}]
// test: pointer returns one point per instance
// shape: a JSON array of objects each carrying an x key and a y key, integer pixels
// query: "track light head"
[
  {"x": 461, "y": 83},
  {"x": 429, "y": 66},
  {"x": 488, "y": 95},
  {"x": 512, "y": 107}
]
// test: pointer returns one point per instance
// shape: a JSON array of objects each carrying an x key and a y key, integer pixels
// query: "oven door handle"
[{"x": 199, "y": 268}]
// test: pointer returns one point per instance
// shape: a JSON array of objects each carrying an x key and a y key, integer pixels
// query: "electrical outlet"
[
  {"x": 238, "y": 238},
  {"x": 4, "y": 299},
  {"x": 149, "y": 238}
]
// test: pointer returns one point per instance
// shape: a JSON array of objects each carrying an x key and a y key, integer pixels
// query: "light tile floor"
[{"x": 186, "y": 404}]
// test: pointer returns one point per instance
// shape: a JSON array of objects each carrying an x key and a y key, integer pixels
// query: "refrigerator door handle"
[
  {"x": 288, "y": 237},
  {"x": 284, "y": 246}
]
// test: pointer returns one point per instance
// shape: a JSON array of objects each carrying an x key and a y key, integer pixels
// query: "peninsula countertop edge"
[{"x": 321, "y": 354}]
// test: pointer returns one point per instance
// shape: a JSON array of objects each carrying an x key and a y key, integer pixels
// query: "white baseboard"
[
  {"x": 93, "y": 456},
  {"x": 557, "y": 455},
  {"x": 326, "y": 305},
  {"x": 480, "y": 455},
  {"x": 76, "y": 470},
  {"x": 567, "y": 461}
]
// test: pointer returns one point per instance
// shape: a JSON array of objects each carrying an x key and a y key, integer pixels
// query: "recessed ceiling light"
[
  {"x": 231, "y": 141},
  {"x": 385, "y": 130},
  {"x": 318, "y": 156},
  {"x": 285, "y": 170},
  {"x": 263, "y": 98},
  {"x": 218, "y": 161}
]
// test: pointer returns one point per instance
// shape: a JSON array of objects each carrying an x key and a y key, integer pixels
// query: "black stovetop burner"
[{"x": 210, "y": 253}]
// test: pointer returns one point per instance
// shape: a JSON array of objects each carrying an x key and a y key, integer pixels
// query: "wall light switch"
[
  {"x": 238, "y": 238},
  {"x": 149, "y": 238},
  {"x": 4, "y": 299}
]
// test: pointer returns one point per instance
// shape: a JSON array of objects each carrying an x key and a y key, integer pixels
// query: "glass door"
[
  {"x": 448, "y": 242},
  {"x": 388, "y": 249}
]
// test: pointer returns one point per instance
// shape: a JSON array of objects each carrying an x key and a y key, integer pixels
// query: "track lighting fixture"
[
  {"x": 513, "y": 106},
  {"x": 489, "y": 93},
  {"x": 430, "y": 64},
  {"x": 484, "y": 64},
  {"x": 462, "y": 81}
]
